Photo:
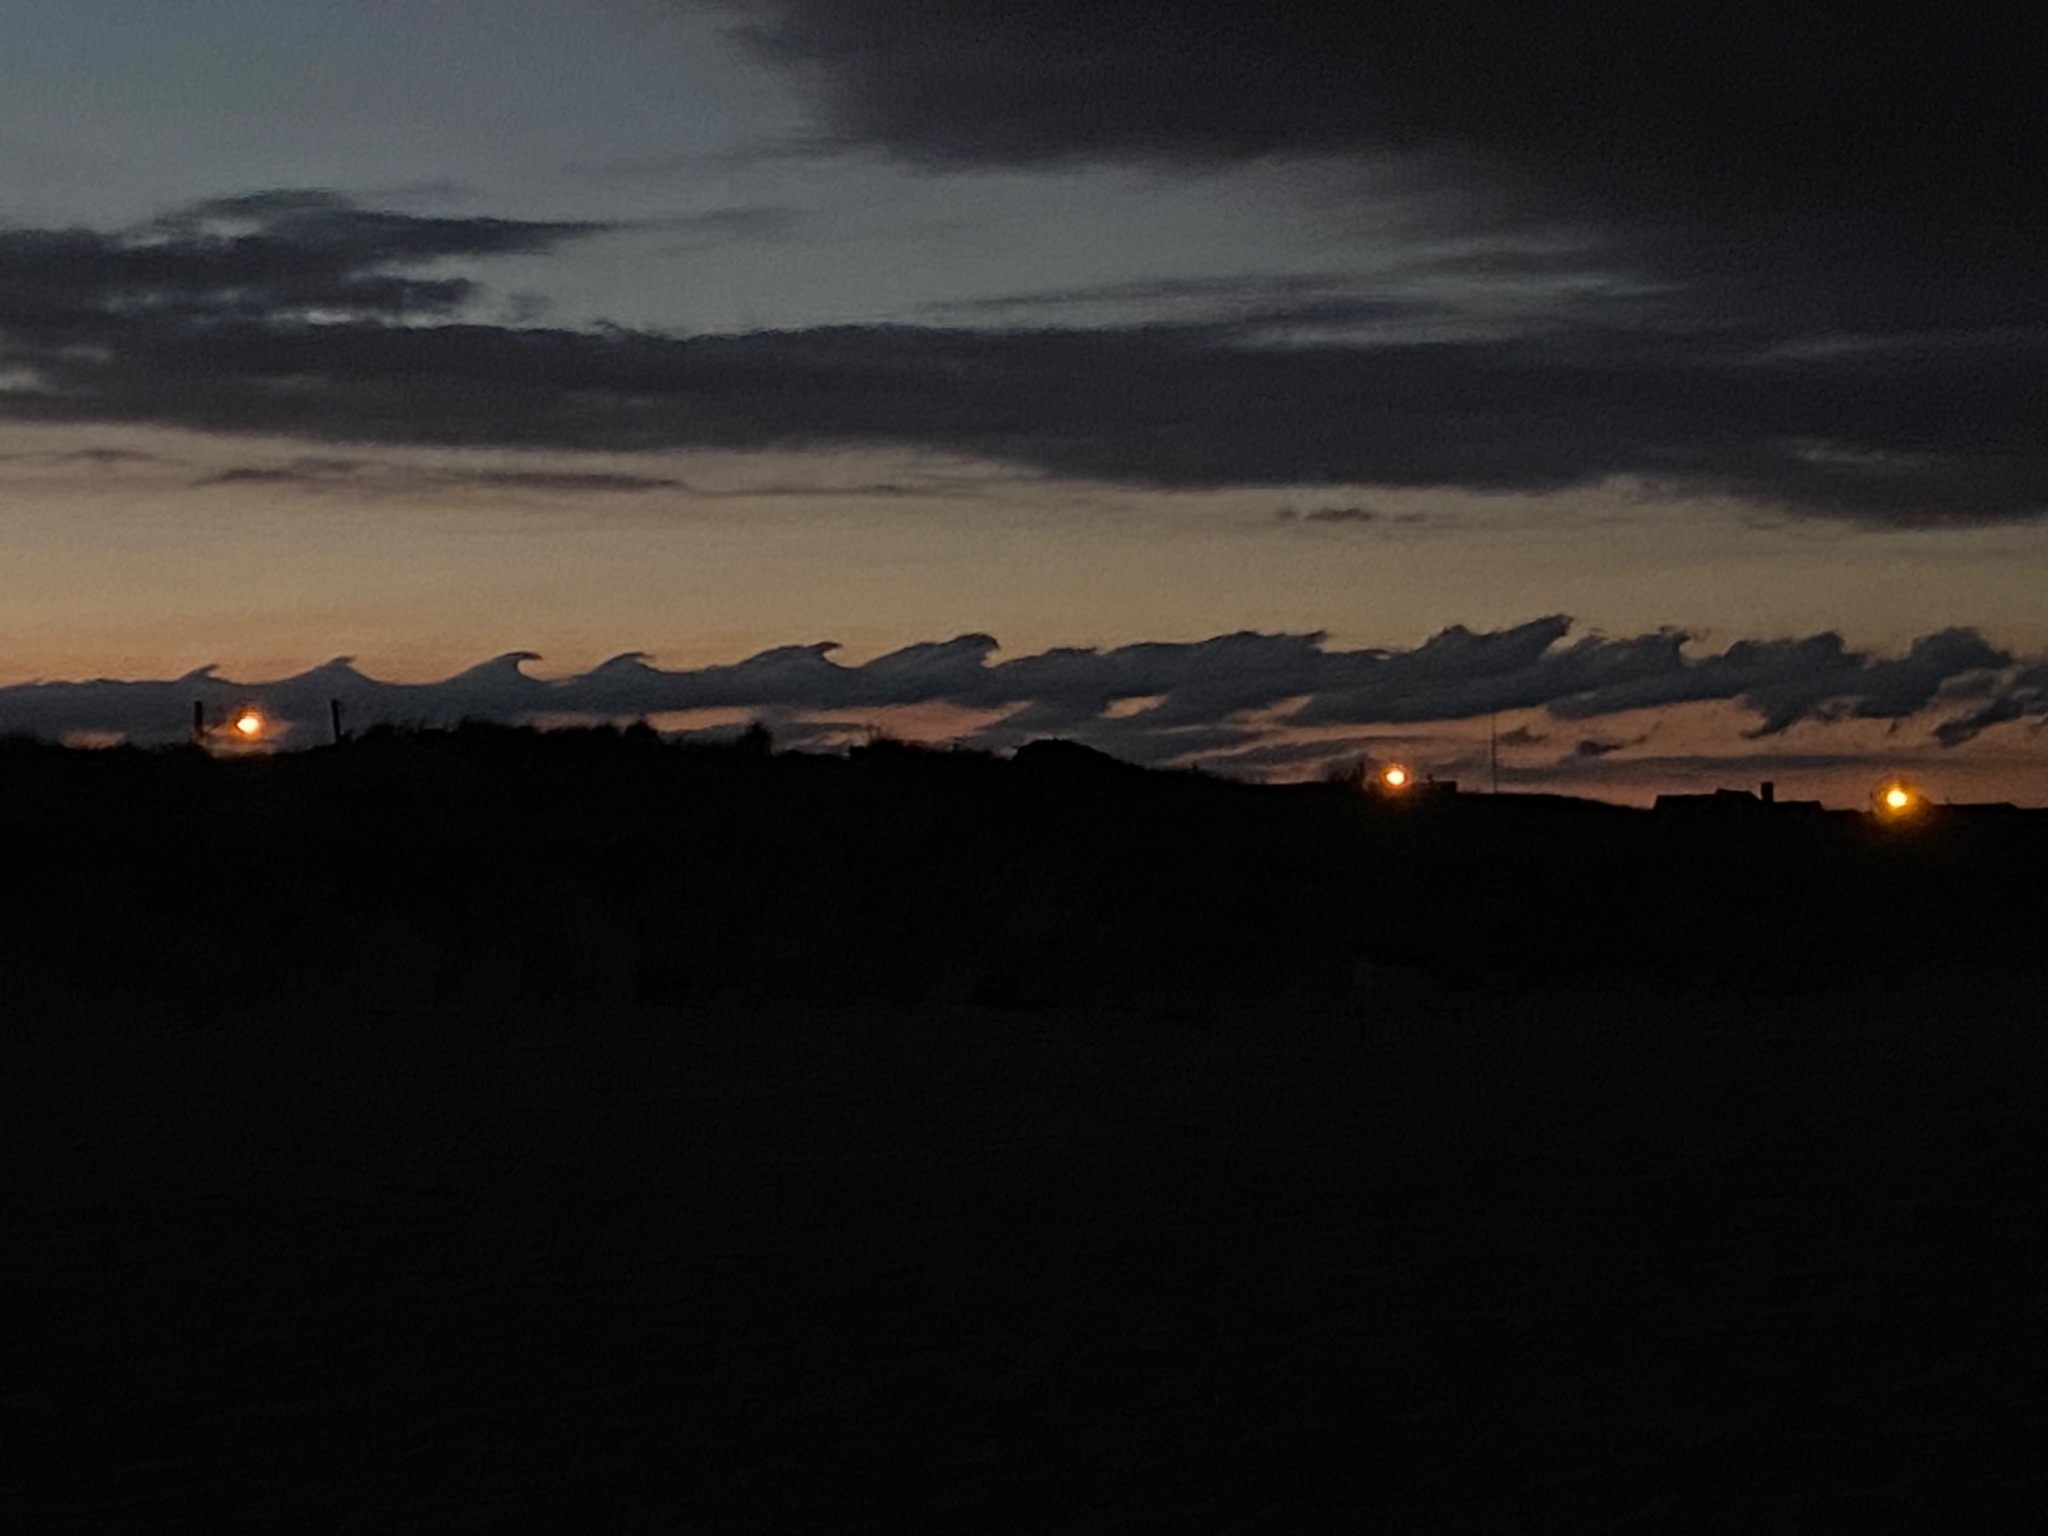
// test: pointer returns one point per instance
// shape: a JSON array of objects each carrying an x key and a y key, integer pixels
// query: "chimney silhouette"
[{"x": 1770, "y": 792}]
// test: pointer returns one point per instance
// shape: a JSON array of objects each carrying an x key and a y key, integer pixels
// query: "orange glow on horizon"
[
  {"x": 1395, "y": 777},
  {"x": 249, "y": 723}
]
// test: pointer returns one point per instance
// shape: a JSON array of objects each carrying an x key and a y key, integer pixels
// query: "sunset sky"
[{"x": 1215, "y": 382}]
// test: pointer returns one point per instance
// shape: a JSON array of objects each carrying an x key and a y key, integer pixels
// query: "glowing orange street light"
[
  {"x": 249, "y": 724},
  {"x": 1897, "y": 799},
  {"x": 1395, "y": 777}
]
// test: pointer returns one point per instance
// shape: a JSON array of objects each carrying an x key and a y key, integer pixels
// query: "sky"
[{"x": 1219, "y": 384}]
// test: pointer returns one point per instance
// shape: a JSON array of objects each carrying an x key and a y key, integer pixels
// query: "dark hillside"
[
  {"x": 612, "y": 865},
  {"x": 483, "y": 1132}
]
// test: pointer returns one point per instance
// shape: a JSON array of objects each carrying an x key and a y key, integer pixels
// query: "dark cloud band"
[
  {"x": 294, "y": 315},
  {"x": 1730, "y": 116},
  {"x": 1839, "y": 208}
]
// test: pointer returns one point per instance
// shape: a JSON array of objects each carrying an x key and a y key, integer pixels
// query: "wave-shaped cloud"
[{"x": 1248, "y": 695}]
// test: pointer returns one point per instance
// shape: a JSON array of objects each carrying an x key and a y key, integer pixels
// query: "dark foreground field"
[{"x": 389, "y": 1245}]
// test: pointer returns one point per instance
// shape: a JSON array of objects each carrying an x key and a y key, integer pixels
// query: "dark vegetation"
[{"x": 485, "y": 1130}]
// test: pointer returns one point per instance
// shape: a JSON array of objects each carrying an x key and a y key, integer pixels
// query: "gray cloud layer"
[
  {"x": 1834, "y": 205},
  {"x": 293, "y": 313},
  {"x": 1203, "y": 690}
]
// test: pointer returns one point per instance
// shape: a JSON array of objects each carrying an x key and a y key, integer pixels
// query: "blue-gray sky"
[{"x": 425, "y": 332}]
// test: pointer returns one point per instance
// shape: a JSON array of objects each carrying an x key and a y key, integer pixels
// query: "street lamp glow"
[
  {"x": 249, "y": 724},
  {"x": 1897, "y": 798},
  {"x": 1395, "y": 777}
]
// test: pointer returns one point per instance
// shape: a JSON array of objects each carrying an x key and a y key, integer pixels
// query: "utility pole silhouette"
[{"x": 334, "y": 717}]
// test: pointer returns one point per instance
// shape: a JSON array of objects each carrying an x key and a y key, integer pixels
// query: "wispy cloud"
[
  {"x": 264, "y": 258},
  {"x": 740, "y": 224},
  {"x": 313, "y": 472},
  {"x": 1328, "y": 515}
]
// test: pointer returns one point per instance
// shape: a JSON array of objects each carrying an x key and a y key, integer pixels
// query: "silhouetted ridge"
[
  {"x": 493, "y": 861},
  {"x": 1058, "y": 756}
]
